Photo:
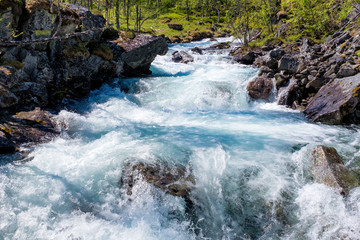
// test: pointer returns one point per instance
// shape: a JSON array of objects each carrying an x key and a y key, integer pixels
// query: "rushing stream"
[{"x": 250, "y": 161}]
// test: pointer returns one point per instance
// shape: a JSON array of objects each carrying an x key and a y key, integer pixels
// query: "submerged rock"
[
  {"x": 197, "y": 50},
  {"x": 329, "y": 169},
  {"x": 182, "y": 57},
  {"x": 260, "y": 88},
  {"x": 336, "y": 102},
  {"x": 176, "y": 181}
]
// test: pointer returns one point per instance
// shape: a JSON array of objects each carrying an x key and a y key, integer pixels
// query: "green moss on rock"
[
  {"x": 12, "y": 63},
  {"x": 42, "y": 33},
  {"x": 76, "y": 51},
  {"x": 101, "y": 50}
]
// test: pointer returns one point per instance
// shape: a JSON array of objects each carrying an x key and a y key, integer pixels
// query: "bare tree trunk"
[
  {"x": 107, "y": 12},
  {"x": 157, "y": 8},
  {"x": 124, "y": 7},
  {"x": 187, "y": 10},
  {"x": 137, "y": 16},
  {"x": 117, "y": 14},
  {"x": 127, "y": 14}
]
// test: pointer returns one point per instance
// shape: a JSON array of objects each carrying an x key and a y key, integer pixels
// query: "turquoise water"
[{"x": 249, "y": 160}]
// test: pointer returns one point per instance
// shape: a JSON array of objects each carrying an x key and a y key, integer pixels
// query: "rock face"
[
  {"x": 32, "y": 126},
  {"x": 336, "y": 102},
  {"x": 182, "y": 57},
  {"x": 260, "y": 88},
  {"x": 42, "y": 74},
  {"x": 174, "y": 181},
  {"x": 329, "y": 169},
  {"x": 58, "y": 60},
  {"x": 140, "y": 52}
]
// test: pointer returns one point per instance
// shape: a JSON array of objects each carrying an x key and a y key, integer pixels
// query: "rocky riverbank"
[
  {"x": 50, "y": 53},
  {"x": 322, "y": 80}
]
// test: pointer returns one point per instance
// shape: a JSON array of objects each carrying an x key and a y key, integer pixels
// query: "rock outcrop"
[
  {"x": 336, "y": 102},
  {"x": 34, "y": 126},
  {"x": 79, "y": 56},
  {"x": 329, "y": 169},
  {"x": 176, "y": 181},
  {"x": 64, "y": 52},
  {"x": 303, "y": 69}
]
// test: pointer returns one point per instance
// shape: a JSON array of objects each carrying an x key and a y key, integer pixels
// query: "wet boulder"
[
  {"x": 337, "y": 102},
  {"x": 34, "y": 126},
  {"x": 329, "y": 169},
  {"x": 182, "y": 57},
  {"x": 260, "y": 88},
  {"x": 176, "y": 181},
  {"x": 197, "y": 50},
  {"x": 247, "y": 59},
  {"x": 289, "y": 93}
]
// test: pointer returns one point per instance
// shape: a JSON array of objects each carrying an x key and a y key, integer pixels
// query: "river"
[{"x": 250, "y": 161}]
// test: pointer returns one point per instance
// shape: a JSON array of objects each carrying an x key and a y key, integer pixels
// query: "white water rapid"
[{"x": 250, "y": 161}]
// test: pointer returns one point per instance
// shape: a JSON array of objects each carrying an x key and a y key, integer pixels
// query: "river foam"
[{"x": 249, "y": 160}]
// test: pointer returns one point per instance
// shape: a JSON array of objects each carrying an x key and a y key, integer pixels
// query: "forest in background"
[{"x": 247, "y": 19}]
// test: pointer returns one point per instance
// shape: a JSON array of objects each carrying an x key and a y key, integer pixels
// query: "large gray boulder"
[
  {"x": 140, "y": 52},
  {"x": 329, "y": 169},
  {"x": 247, "y": 59},
  {"x": 337, "y": 102},
  {"x": 260, "y": 88},
  {"x": 289, "y": 64}
]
